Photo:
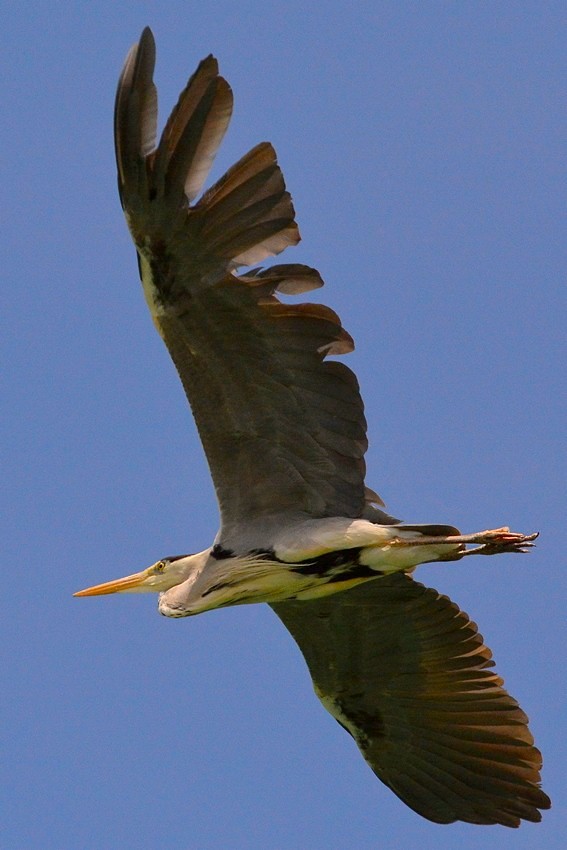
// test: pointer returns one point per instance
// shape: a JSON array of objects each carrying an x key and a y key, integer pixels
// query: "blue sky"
[{"x": 420, "y": 142}]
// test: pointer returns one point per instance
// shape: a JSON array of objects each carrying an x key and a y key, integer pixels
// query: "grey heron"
[{"x": 398, "y": 665}]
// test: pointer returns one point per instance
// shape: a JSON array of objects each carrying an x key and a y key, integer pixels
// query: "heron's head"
[{"x": 163, "y": 575}]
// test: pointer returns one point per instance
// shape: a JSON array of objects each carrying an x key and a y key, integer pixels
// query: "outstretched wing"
[
  {"x": 283, "y": 428},
  {"x": 407, "y": 674}
]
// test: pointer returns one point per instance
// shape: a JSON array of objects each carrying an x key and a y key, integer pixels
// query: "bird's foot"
[
  {"x": 490, "y": 542},
  {"x": 498, "y": 540}
]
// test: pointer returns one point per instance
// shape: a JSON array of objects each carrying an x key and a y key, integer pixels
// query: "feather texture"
[{"x": 408, "y": 675}]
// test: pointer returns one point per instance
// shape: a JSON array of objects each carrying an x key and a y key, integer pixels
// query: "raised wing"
[
  {"x": 283, "y": 429},
  {"x": 407, "y": 674}
]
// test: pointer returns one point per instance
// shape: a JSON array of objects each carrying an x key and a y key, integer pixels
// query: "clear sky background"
[{"x": 421, "y": 144}]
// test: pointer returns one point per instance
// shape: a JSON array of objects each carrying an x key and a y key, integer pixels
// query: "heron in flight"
[{"x": 399, "y": 666}]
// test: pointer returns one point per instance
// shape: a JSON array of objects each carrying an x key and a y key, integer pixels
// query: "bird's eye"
[{"x": 160, "y": 567}]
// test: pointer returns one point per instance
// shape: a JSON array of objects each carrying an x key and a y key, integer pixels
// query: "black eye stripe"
[{"x": 170, "y": 558}]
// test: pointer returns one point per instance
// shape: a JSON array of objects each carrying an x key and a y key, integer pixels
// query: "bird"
[{"x": 400, "y": 667}]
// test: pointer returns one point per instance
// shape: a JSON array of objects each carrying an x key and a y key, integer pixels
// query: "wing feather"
[
  {"x": 194, "y": 131},
  {"x": 283, "y": 428},
  {"x": 408, "y": 675},
  {"x": 291, "y": 279},
  {"x": 248, "y": 215},
  {"x": 135, "y": 115}
]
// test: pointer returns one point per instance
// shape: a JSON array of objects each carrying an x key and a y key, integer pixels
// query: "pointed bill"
[{"x": 132, "y": 583}]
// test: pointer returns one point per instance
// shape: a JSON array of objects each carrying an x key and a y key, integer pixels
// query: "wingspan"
[
  {"x": 282, "y": 427},
  {"x": 407, "y": 674}
]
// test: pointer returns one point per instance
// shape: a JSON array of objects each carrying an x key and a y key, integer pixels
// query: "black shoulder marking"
[
  {"x": 355, "y": 571},
  {"x": 219, "y": 552},
  {"x": 329, "y": 562}
]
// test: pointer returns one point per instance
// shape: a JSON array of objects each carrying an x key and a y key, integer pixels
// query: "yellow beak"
[{"x": 133, "y": 582}]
